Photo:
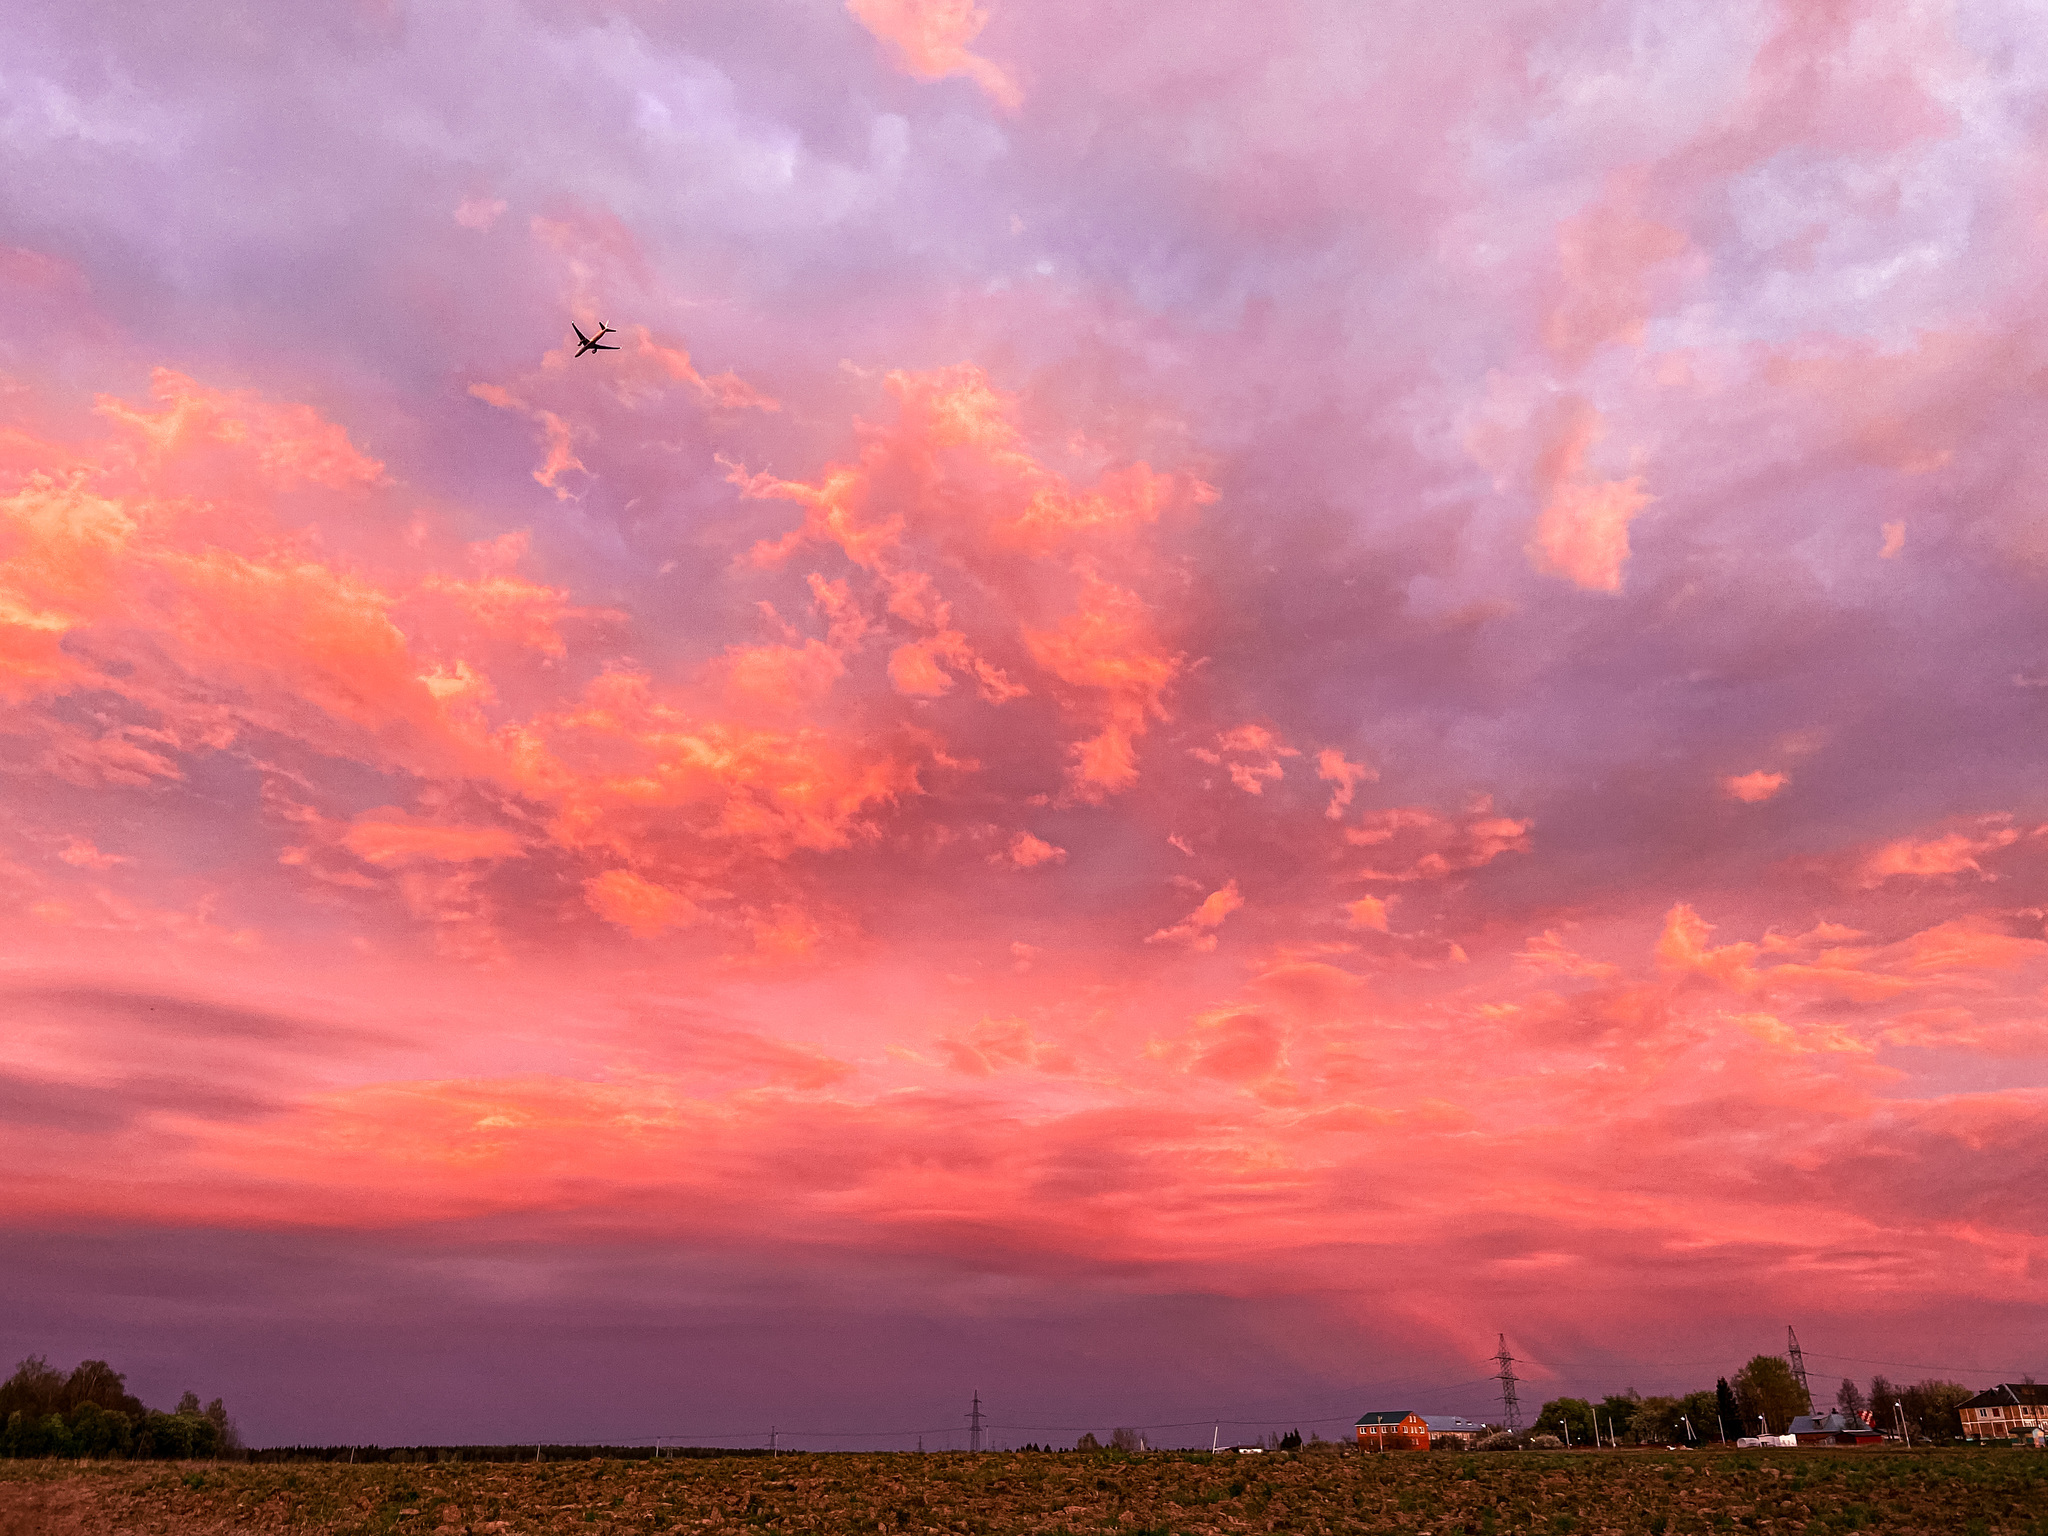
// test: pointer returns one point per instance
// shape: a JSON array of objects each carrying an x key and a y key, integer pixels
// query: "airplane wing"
[
  {"x": 579, "y": 333},
  {"x": 598, "y": 346}
]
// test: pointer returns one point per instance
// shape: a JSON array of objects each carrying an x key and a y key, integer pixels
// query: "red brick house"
[{"x": 1398, "y": 1431}]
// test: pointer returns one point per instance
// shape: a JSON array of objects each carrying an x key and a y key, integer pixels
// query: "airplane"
[{"x": 592, "y": 343}]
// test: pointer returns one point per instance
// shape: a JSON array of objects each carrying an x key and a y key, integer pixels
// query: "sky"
[{"x": 1219, "y": 699}]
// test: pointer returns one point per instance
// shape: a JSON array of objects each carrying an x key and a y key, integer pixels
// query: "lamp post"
[{"x": 1690, "y": 1437}]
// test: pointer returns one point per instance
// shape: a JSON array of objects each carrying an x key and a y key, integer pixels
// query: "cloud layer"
[{"x": 1183, "y": 671}]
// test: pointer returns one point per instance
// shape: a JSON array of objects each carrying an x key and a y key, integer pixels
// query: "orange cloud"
[
  {"x": 1426, "y": 846},
  {"x": 1894, "y": 540},
  {"x": 1331, "y": 767},
  {"x": 995, "y": 1045},
  {"x": 1253, "y": 741},
  {"x": 1197, "y": 929},
  {"x": 1367, "y": 912},
  {"x": 639, "y": 906},
  {"x": 1582, "y": 531},
  {"x": 1934, "y": 858},
  {"x": 388, "y": 836},
  {"x": 1547, "y": 952},
  {"x": 1107, "y": 647},
  {"x": 1753, "y": 788},
  {"x": 1683, "y": 949},
  {"x": 289, "y": 443},
  {"x": 930, "y": 38}
]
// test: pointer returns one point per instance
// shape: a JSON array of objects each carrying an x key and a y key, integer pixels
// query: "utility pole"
[
  {"x": 1511, "y": 1409},
  {"x": 1798, "y": 1365},
  {"x": 974, "y": 1423},
  {"x": 771, "y": 1439}
]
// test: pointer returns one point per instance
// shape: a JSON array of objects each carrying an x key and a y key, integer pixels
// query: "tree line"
[
  {"x": 91, "y": 1413},
  {"x": 1761, "y": 1398}
]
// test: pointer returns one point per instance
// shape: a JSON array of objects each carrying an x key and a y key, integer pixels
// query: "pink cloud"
[
  {"x": 479, "y": 213},
  {"x": 1582, "y": 531},
  {"x": 1931, "y": 858},
  {"x": 930, "y": 38},
  {"x": 1604, "y": 257},
  {"x": 1753, "y": 788},
  {"x": 1028, "y": 852},
  {"x": 542, "y": 851}
]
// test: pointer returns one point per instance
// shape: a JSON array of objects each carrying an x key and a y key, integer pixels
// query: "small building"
[
  {"x": 1835, "y": 1428},
  {"x": 1399, "y": 1430},
  {"x": 1451, "y": 1432},
  {"x": 2012, "y": 1410}
]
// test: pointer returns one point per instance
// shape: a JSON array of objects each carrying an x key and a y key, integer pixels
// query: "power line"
[
  {"x": 1907, "y": 1365},
  {"x": 701, "y": 1436}
]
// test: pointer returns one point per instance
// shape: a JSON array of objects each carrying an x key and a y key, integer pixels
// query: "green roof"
[{"x": 1385, "y": 1418}]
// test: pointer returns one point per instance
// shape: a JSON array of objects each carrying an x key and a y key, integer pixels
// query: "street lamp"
[{"x": 1686, "y": 1420}]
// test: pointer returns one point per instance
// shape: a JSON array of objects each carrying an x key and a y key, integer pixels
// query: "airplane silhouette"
[{"x": 592, "y": 343}]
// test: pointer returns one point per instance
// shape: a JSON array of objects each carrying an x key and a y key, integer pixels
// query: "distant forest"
[
  {"x": 1763, "y": 1396},
  {"x": 90, "y": 1413}
]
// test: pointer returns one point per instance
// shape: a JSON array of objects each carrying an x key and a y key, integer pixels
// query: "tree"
[
  {"x": 1567, "y": 1413},
  {"x": 1849, "y": 1399},
  {"x": 1727, "y": 1412},
  {"x": 1931, "y": 1409},
  {"x": 1766, "y": 1389},
  {"x": 95, "y": 1381},
  {"x": 1617, "y": 1410},
  {"x": 33, "y": 1389},
  {"x": 1088, "y": 1442},
  {"x": 228, "y": 1437},
  {"x": 1123, "y": 1440},
  {"x": 97, "y": 1431},
  {"x": 1884, "y": 1405},
  {"x": 1291, "y": 1441},
  {"x": 1655, "y": 1421},
  {"x": 1697, "y": 1410}
]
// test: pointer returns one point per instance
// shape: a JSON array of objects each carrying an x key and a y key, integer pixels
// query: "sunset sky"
[{"x": 1219, "y": 698}]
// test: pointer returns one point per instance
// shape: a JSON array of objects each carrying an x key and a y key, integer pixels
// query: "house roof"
[
  {"x": 1451, "y": 1424},
  {"x": 1387, "y": 1418},
  {"x": 2011, "y": 1394}
]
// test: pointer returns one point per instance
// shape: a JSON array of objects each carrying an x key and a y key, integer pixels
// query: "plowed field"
[{"x": 1944, "y": 1493}]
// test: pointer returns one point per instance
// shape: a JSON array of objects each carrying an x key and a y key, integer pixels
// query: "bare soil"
[{"x": 1944, "y": 1493}]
